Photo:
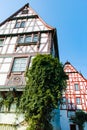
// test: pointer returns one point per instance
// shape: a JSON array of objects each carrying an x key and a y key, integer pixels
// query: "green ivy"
[
  {"x": 8, "y": 99},
  {"x": 45, "y": 82}
]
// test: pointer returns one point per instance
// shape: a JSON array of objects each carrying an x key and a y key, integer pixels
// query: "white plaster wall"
[
  {"x": 11, "y": 118},
  {"x": 5, "y": 64},
  {"x": 4, "y": 49},
  {"x": 7, "y": 60},
  {"x": 64, "y": 122},
  {"x": 43, "y": 48},
  {"x": 43, "y": 40},
  {"x": 10, "y": 49},
  {"x": 5, "y": 67},
  {"x": 13, "y": 40},
  {"x": 3, "y": 78},
  {"x": 7, "y": 40}
]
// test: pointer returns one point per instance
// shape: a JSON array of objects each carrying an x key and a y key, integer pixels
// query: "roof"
[{"x": 28, "y": 7}]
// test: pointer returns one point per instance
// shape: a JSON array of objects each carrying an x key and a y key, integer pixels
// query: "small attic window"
[
  {"x": 20, "y": 24},
  {"x": 25, "y": 11}
]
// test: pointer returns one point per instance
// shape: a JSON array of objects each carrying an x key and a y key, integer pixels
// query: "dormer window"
[
  {"x": 20, "y": 24},
  {"x": 1, "y": 42}
]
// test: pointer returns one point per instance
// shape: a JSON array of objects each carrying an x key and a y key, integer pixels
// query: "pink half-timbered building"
[
  {"x": 22, "y": 35},
  {"x": 74, "y": 98}
]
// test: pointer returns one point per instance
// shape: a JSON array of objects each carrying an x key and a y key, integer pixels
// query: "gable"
[
  {"x": 72, "y": 73},
  {"x": 26, "y": 14},
  {"x": 69, "y": 68}
]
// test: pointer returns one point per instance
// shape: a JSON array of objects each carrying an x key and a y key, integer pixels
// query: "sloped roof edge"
[
  {"x": 68, "y": 63},
  {"x": 14, "y": 14},
  {"x": 48, "y": 26}
]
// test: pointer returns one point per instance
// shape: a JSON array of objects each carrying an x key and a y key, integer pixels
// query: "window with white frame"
[
  {"x": 19, "y": 64},
  {"x": 76, "y": 86},
  {"x": 78, "y": 100},
  {"x": 13, "y": 107}
]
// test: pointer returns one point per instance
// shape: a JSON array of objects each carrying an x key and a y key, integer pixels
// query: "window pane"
[
  {"x": 69, "y": 101},
  {"x": 35, "y": 38},
  {"x": 22, "y": 24},
  {"x": 64, "y": 99},
  {"x": 17, "y": 25},
  {"x": 76, "y": 87},
  {"x": 1, "y": 42},
  {"x": 25, "y": 11},
  {"x": 21, "y": 39},
  {"x": 19, "y": 64},
  {"x": 78, "y": 100},
  {"x": 27, "y": 39},
  {"x": 13, "y": 107}
]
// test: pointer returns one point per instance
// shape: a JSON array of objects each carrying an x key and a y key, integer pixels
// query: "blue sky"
[{"x": 70, "y": 20}]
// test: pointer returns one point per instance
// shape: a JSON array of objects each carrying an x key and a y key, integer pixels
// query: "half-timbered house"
[
  {"x": 74, "y": 98},
  {"x": 22, "y": 35}
]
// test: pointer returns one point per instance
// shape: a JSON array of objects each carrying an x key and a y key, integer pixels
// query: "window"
[
  {"x": 17, "y": 25},
  {"x": 13, "y": 107},
  {"x": 78, "y": 100},
  {"x": 70, "y": 113},
  {"x": 33, "y": 38},
  {"x": 76, "y": 86},
  {"x": 19, "y": 64},
  {"x": 21, "y": 39},
  {"x": 1, "y": 41},
  {"x": 28, "y": 39},
  {"x": 69, "y": 100},
  {"x": 4, "y": 108},
  {"x": 20, "y": 24},
  {"x": 64, "y": 100},
  {"x": 25, "y": 11}
]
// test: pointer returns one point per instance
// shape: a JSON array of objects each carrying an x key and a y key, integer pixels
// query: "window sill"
[
  {"x": 17, "y": 73},
  {"x": 26, "y": 44}
]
